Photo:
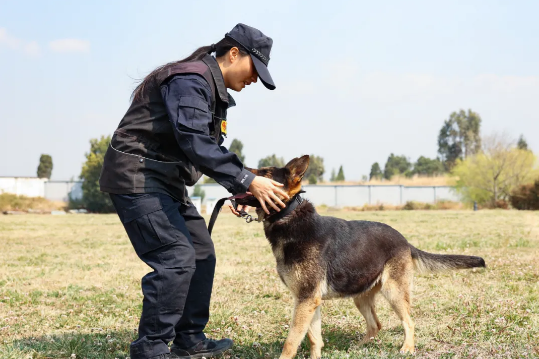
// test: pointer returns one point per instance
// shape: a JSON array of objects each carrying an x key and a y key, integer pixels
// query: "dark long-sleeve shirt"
[{"x": 188, "y": 98}]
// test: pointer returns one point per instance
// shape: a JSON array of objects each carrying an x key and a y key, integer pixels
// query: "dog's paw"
[{"x": 407, "y": 349}]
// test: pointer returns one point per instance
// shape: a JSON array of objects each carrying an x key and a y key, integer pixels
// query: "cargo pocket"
[{"x": 147, "y": 226}]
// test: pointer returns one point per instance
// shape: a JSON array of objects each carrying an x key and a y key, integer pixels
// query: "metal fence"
[
  {"x": 62, "y": 190},
  {"x": 337, "y": 196},
  {"x": 357, "y": 195}
]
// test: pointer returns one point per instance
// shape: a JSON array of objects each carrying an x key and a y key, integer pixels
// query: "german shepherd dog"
[{"x": 321, "y": 257}]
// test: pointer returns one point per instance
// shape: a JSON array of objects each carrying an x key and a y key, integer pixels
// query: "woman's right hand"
[{"x": 267, "y": 192}]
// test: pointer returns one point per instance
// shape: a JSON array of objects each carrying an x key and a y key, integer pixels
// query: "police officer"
[{"x": 172, "y": 134}]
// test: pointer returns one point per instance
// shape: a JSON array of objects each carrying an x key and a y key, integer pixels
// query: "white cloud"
[
  {"x": 8, "y": 40},
  {"x": 69, "y": 45},
  {"x": 32, "y": 48}
]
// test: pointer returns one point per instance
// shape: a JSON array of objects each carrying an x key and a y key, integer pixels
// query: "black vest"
[{"x": 143, "y": 155}]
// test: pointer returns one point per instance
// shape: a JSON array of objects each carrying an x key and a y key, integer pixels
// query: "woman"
[{"x": 171, "y": 135}]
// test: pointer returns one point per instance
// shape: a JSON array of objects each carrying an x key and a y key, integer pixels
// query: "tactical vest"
[{"x": 143, "y": 155}]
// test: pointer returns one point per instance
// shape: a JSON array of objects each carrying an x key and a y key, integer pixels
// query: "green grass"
[{"x": 71, "y": 285}]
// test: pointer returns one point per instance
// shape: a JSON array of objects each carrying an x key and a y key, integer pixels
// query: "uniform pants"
[{"x": 171, "y": 238}]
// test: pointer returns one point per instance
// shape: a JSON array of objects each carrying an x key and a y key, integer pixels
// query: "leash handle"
[{"x": 215, "y": 212}]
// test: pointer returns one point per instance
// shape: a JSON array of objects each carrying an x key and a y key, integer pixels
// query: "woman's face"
[{"x": 238, "y": 70}]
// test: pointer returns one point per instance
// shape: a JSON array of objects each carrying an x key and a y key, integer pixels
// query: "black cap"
[{"x": 259, "y": 46}]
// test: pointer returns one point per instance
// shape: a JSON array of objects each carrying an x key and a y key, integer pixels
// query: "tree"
[
  {"x": 44, "y": 170},
  {"x": 93, "y": 199},
  {"x": 494, "y": 173},
  {"x": 316, "y": 167},
  {"x": 459, "y": 137},
  {"x": 209, "y": 180},
  {"x": 313, "y": 179},
  {"x": 271, "y": 161},
  {"x": 522, "y": 144},
  {"x": 340, "y": 175},
  {"x": 428, "y": 167},
  {"x": 236, "y": 146},
  {"x": 199, "y": 192},
  {"x": 397, "y": 165},
  {"x": 376, "y": 171},
  {"x": 332, "y": 178}
]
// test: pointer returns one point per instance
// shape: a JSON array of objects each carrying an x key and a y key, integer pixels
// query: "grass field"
[{"x": 70, "y": 288}]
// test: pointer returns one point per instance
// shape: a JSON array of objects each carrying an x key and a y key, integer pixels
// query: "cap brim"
[{"x": 263, "y": 73}]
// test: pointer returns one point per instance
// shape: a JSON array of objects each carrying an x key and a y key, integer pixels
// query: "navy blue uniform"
[
  {"x": 191, "y": 121},
  {"x": 176, "y": 126}
]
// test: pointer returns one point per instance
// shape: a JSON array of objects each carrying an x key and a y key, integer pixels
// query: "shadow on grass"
[
  {"x": 338, "y": 343},
  {"x": 99, "y": 344}
]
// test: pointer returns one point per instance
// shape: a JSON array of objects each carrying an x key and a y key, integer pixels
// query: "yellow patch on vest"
[{"x": 223, "y": 127}]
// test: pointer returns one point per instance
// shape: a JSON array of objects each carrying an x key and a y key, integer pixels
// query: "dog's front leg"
[
  {"x": 315, "y": 335},
  {"x": 304, "y": 310}
]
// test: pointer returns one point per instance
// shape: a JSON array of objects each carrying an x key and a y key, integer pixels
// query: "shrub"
[
  {"x": 12, "y": 202},
  {"x": 526, "y": 197}
]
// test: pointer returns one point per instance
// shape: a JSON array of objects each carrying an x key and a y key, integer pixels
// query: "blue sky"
[{"x": 355, "y": 80}]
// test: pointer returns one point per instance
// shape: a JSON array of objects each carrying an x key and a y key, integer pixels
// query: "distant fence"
[
  {"x": 62, "y": 190},
  {"x": 23, "y": 186},
  {"x": 41, "y": 187},
  {"x": 358, "y": 195},
  {"x": 337, "y": 196}
]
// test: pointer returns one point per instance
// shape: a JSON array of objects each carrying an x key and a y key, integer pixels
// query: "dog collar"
[{"x": 290, "y": 207}]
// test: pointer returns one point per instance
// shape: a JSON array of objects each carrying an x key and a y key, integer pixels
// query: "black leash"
[
  {"x": 248, "y": 218},
  {"x": 292, "y": 204}
]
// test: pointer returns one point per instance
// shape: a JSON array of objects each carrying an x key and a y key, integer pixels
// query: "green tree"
[
  {"x": 376, "y": 171},
  {"x": 93, "y": 199},
  {"x": 459, "y": 137},
  {"x": 271, "y": 161},
  {"x": 495, "y": 172},
  {"x": 522, "y": 144},
  {"x": 340, "y": 175},
  {"x": 428, "y": 167},
  {"x": 44, "y": 170},
  {"x": 332, "y": 178},
  {"x": 199, "y": 192},
  {"x": 397, "y": 165},
  {"x": 236, "y": 146},
  {"x": 316, "y": 167},
  {"x": 313, "y": 179},
  {"x": 209, "y": 180}
]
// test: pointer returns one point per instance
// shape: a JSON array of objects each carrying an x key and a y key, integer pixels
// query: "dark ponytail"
[{"x": 220, "y": 49}]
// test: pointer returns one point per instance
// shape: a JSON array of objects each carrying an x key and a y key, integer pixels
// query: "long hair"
[{"x": 220, "y": 49}]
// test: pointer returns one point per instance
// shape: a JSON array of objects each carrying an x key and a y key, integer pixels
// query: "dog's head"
[{"x": 290, "y": 176}]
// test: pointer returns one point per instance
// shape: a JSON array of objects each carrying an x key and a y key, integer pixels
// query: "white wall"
[
  {"x": 26, "y": 186},
  {"x": 339, "y": 196}
]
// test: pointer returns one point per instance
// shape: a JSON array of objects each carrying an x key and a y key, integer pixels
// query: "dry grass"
[
  {"x": 12, "y": 202},
  {"x": 70, "y": 285}
]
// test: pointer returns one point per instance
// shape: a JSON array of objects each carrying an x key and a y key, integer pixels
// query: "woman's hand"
[
  {"x": 241, "y": 207},
  {"x": 267, "y": 192}
]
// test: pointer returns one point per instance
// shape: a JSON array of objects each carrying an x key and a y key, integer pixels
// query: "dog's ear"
[
  {"x": 252, "y": 170},
  {"x": 298, "y": 167}
]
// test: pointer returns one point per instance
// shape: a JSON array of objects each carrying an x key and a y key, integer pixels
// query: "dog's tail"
[{"x": 429, "y": 262}]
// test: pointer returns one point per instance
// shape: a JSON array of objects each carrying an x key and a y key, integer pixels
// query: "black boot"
[{"x": 207, "y": 348}]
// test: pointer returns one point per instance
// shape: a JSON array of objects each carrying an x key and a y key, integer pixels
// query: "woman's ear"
[{"x": 233, "y": 54}]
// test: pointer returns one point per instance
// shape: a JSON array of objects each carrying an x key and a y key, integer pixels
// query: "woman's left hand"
[{"x": 245, "y": 208}]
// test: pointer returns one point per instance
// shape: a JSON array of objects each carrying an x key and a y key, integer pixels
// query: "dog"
[{"x": 322, "y": 257}]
